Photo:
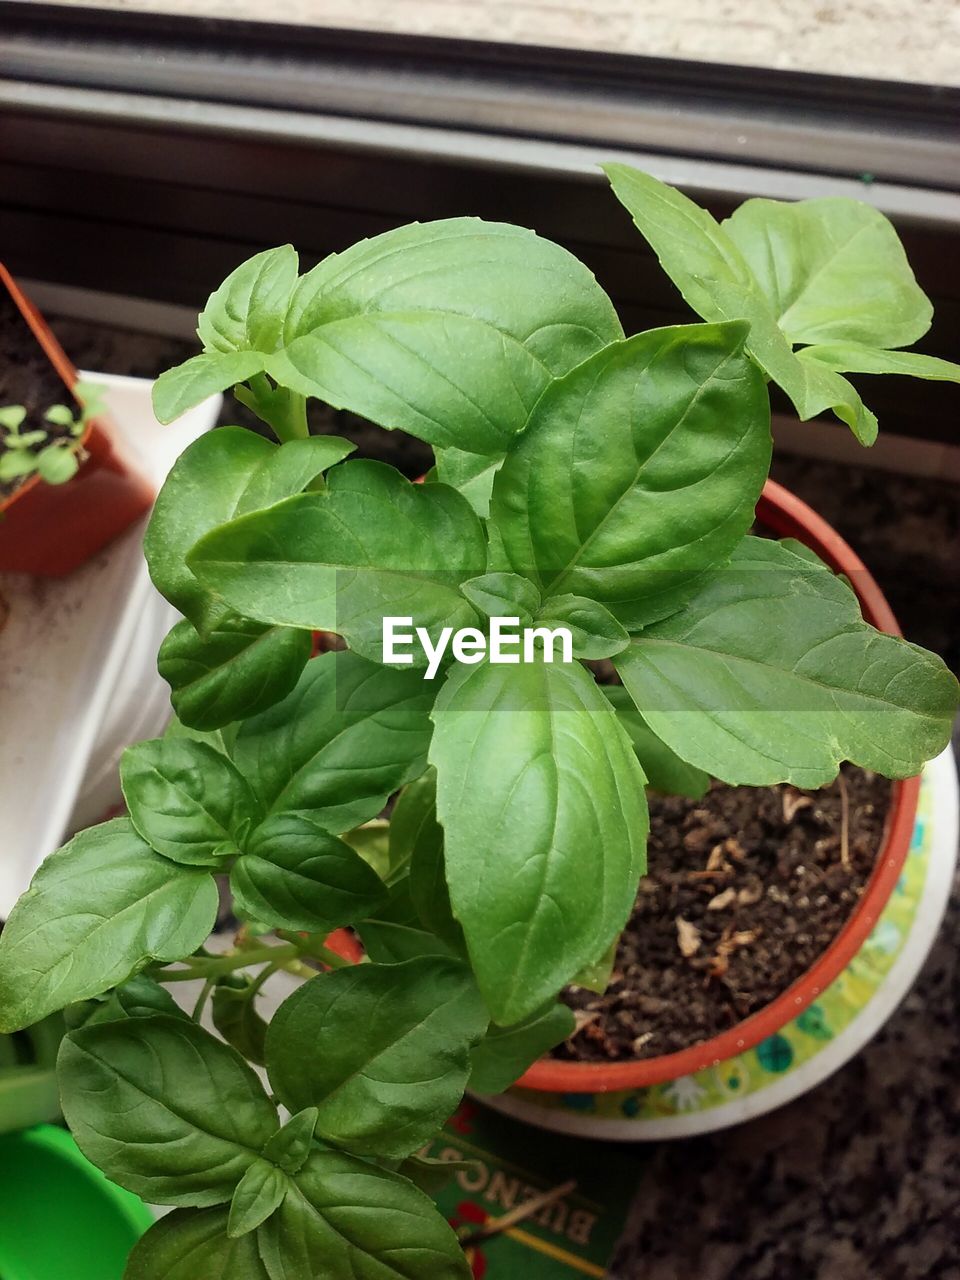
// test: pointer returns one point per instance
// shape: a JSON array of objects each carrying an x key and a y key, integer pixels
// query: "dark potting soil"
[
  {"x": 27, "y": 378},
  {"x": 745, "y": 889}
]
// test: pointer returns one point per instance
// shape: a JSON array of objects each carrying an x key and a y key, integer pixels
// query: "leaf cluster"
[
  {"x": 583, "y": 478},
  {"x": 27, "y": 453}
]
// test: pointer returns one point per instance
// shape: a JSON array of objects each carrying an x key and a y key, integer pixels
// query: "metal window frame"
[
  {"x": 144, "y": 155},
  {"x": 890, "y": 131}
]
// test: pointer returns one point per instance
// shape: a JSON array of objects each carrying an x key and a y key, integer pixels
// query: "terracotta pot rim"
[
  {"x": 787, "y": 516},
  {"x": 55, "y": 354}
]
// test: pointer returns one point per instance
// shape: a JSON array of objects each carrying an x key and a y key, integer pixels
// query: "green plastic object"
[{"x": 60, "y": 1218}]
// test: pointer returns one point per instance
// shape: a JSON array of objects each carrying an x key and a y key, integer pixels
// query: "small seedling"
[{"x": 55, "y": 460}]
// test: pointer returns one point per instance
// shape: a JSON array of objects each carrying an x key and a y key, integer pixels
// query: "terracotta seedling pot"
[
  {"x": 788, "y": 517},
  {"x": 53, "y": 529}
]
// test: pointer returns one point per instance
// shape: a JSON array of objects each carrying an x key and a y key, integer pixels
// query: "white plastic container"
[{"x": 78, "y": 677}]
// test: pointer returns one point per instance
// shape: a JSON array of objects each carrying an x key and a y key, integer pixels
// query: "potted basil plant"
[{"x": 591, "y": 504}]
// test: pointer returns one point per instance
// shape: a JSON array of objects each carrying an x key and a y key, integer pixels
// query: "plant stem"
[
  {"x": 266, "y": 972},
  {"x": 202, "y": 1000},
  {"x": 282, "y": 409},
  {"x": 283, "y": 957},
  {"x": 296, "y": 417},
  {"x": 287, "y": 414},
  {"x": 201, "y": 967},
  {"x": 844, "y": 823}
]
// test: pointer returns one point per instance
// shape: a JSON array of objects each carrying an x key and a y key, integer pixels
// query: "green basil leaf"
[
  {"x": 349, "y": 735},
  {"x": 371, "y": 544},
  {"x": 215, "y": 738},
  {"x": 140, "y": 997},
  {"x": 504, "y": 1053},
  {"x": 822, "y": 388},
  {"x": 372, "y": 842},
  {"x": 715, "y": 279},
  {"x": 164, "y": 1108},
  {"x": 447, "y": 379},
  {"x": 248, "y": 310},
  {"x": 283, "y": 410},
  {"x": 634, "y": 512},
  {"x": 293, "y": 466},
  {"x": 188, "y": 801},
  {"x": 499, "y": 595},
  {"x": 853, "y": 357},
  {"x": 389, "y": 942},
  {"x": 398, "y": 906},
  {"x": 465, "y": 266},
  {"x": 833, "y": 269},
  {"x": 413, "y": 813},
  {"x": 692, "y": 247},
  {"x": 290, "y": 1146},
  {"x": 192, "y": 1244},
  {"x": 391, "y": 939},
  {"x": 454, "y": 346},
  {"x": 200, "y": 377},
  {"x": 225, "y": 473},
  {"x": 98, "y": 910},
  {"x": 240, "y": 325},
  {"x": 770, "y": 675},
  {"x": 532, "y": 769},
  {"x": 257, "y": 1196},
  {"x": 234, "y": 1013},
  {"x": 201, "y": 491},
  {"x": 427, "y": 882},
  {"x": 595, "y": 633},
  {"x": 705, "y": 265},
  {"x": 665, "y": 770},
  {"x": 344, "y": 1219},
  {"x": 382, "y": 1051},
  {"x": 298, "y": 876},
  {"x": 470, "y": 473},
  {"x": 596, "y": 976},
  {"x": 237, "y": 670}
]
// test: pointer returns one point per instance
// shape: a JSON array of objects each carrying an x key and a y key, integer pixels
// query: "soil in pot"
[
  {"x": 745, "y": 889},
  {"x": 27, "y": 378}
]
